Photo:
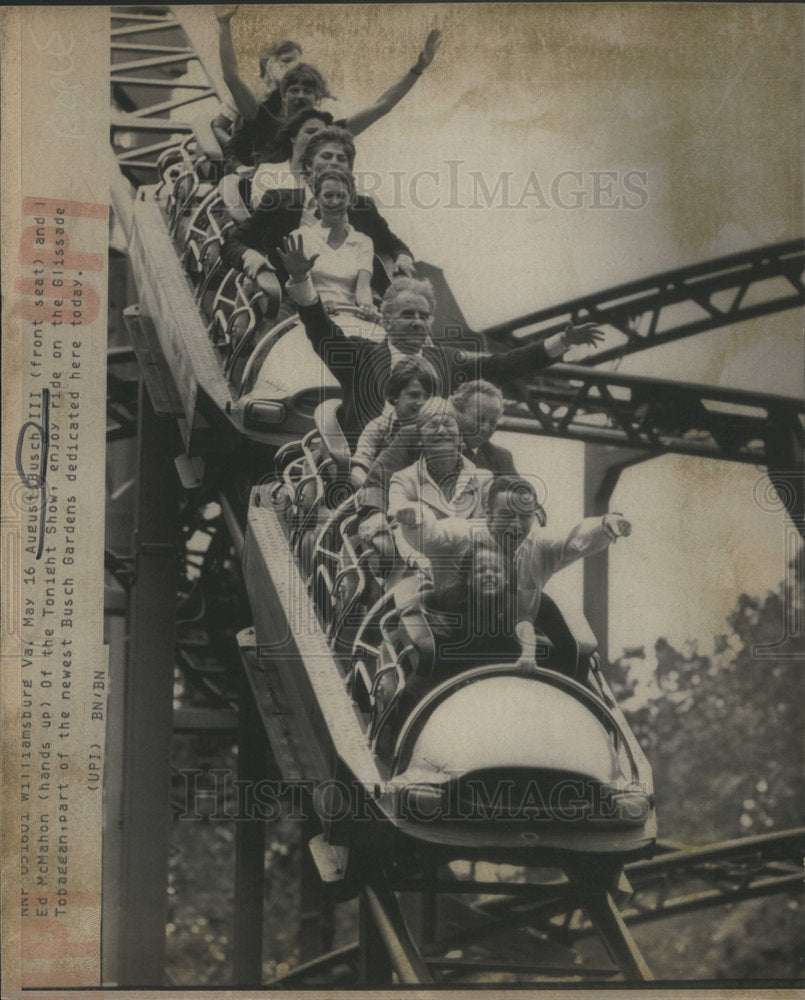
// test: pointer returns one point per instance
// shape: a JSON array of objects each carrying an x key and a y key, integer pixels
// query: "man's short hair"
[
  {"x": 419, "y": 286},
  {"x": 478, "y": 386},
  {"x": 405, "y": 372},
  {"x": 523, "y": 494},
  {"x": 305, "y": 73},
  {"x": 333, "y": 133},
  {"x": 278, "y": 49}
]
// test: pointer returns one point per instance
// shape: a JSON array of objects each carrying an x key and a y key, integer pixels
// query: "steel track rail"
[{"x": 679, "y": 303}]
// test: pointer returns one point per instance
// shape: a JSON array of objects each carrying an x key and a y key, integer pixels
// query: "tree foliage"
[{"x": 724, "y": 733}]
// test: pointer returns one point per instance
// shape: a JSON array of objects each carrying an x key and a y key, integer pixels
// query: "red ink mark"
[
  {"x": 53, "y": 206},
  {"x": 40, "y": 242},
  {"x": 47, "y": 938},
  {"x": 61, "y": 978}
]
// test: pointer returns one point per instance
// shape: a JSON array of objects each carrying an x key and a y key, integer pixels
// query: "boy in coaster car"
[
  {"x": 529, "y": 557},
  {"x": 410, "y": 386}
]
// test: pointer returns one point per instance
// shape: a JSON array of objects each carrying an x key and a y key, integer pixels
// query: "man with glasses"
[{"x": 363, "y": 367}]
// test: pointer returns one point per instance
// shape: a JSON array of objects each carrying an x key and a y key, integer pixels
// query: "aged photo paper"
[{"x": 541, "y": 154}]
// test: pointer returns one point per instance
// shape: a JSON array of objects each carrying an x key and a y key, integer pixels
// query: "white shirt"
[{"x": 335, "y": 273}]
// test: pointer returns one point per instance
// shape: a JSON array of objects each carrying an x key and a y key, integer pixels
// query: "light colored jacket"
[
  {"x": 414, "y": 487},
  {"x": 447, "y": 541}
]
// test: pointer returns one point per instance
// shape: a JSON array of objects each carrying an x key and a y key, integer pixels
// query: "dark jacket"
[
  {"x": 254, "y": 141},
  {"x": 363, "y": 367},
  {"x": 280, "y": 212},
  {"x": 491, "y": 456}
]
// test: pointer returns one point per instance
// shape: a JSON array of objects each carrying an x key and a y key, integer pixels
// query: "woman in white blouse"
[{"x": 343, "y": 257}]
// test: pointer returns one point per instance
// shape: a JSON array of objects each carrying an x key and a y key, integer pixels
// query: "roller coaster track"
[
  {"x": 658, "y": 416},
  {"x": 679, "y": 303},
  {"x": 155, "y": 71},
  {"x": 464, "y": 928},
  {"x": 532, "y": 929}
]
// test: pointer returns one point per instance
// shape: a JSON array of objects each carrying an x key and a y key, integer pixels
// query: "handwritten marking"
[{"x": 38, "y": 481}]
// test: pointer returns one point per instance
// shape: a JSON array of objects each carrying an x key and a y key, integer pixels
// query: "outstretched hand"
[
  {"x": 293, "y": 258},
  {"x": 432, "y": 43},
  {"x": 586, "y": 334},
  {"x": 225, "y": 11}
]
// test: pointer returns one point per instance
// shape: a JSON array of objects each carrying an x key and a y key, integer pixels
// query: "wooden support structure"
[{"x": 145, "y": 816}]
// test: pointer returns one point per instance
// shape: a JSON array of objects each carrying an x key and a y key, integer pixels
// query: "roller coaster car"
[
  {"x": 487, "y": 760},
  {"x": 547, "y": 757},
  {"x": 483, "y": 759},
  {"x": 240, "y": 376}
]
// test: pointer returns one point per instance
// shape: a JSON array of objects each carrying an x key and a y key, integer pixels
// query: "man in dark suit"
[
  {"x": 253, "y": 246},
  {"x": 363, "y": 366},
  {"x": 479, "y": 407}
]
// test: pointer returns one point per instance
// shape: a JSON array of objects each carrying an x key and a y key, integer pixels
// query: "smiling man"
[
  {"x": 363, "y": 367},
  {"x": 512, "y": 527}
]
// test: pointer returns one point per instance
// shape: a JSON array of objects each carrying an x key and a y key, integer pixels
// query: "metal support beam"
[
  {"x": 148, "y": 716},
  {"x": 253, "y": 755},
  {"x": 374, "y": 963},
  {"x": 615, "y": 934},
  {"x": 658, "y": 416},
  {"x": 665, "y": 307},
  {"x": 386, "y": 927},
  {"x": 602, "y": 469}
]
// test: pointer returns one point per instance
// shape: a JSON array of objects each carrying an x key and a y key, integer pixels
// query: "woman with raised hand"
[{"x": 342, "y": 257}]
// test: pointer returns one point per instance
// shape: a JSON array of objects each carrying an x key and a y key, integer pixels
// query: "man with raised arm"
[
  {"x": 510, "y": 528},
  {"x": 254, "y": 139},
  {"x": 363, "y": 367}
]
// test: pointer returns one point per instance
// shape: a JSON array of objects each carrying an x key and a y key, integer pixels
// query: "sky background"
[{"x": 704, "y": 102}]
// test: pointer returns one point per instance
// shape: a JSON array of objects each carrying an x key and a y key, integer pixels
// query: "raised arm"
[
  {"x": 588, "y": 537},
  {"x": 245, "y": 101},
  {"x": 521, "y": 361},
  {"x": 361, "y": 121}
]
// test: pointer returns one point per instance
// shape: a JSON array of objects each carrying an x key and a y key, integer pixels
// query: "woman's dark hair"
[
  {"x": 290, "y": 130},
  {"x": 305, "y": 73},
  {"x": 404, "y": 373},
  {"x": 334, "y": 174}
]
